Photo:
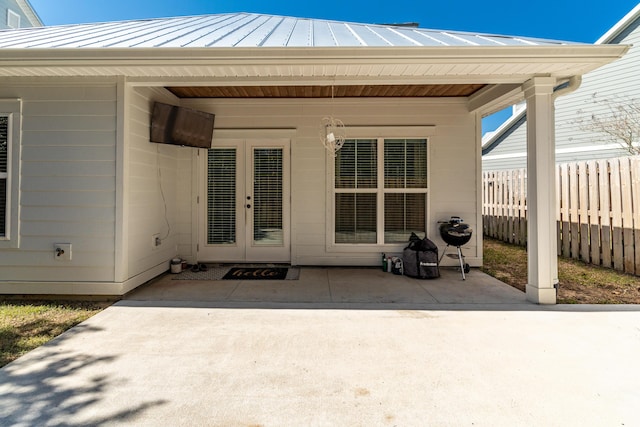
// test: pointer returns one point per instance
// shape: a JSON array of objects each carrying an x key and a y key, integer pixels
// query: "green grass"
[
  {"x": 579, "y": 283},
  {"x": 25, "y": 325}
]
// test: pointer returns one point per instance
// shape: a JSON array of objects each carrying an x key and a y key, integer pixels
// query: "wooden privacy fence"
[{"x": 598, "y": 213}]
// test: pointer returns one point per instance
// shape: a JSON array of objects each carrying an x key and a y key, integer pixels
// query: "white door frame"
[{"x": 244, "y": 249}]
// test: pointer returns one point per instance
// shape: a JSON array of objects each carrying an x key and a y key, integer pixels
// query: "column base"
[{"x": 541, "y": 295}]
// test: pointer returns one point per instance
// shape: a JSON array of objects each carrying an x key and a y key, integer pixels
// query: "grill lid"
[{"x": 455, "y": 232}]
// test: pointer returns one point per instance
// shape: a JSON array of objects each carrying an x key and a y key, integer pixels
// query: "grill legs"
[{"x": 464, "y": 267}]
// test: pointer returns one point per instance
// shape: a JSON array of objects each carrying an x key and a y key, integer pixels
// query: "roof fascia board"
[
  {"x": 475, "y": 54},
  {"x": 619, "y": 27}
]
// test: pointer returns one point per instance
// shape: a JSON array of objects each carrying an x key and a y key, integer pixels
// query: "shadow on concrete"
[{"x": 35, "y": 389}]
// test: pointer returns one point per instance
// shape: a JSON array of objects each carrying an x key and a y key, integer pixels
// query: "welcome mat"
[
  {"x": 218, "y": 272},
  {"x": 256, "y": 273}
]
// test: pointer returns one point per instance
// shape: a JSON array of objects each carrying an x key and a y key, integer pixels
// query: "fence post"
[
  {"x": 627, "y": 215},
  {"x": 583, "y": 193},
  {"x": 594, "y": 212},
  {"x": 635, "y": 194}
]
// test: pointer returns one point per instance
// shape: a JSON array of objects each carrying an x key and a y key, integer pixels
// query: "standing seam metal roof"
[{"x": 247, "y": 30}]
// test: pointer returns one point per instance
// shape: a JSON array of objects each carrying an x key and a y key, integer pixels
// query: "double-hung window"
[
  {"x": 380, "y": 191},
  {"x": 9, "y": 163}
]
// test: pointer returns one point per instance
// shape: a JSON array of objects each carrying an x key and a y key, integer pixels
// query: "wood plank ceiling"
[{"x": 356, "y": 91}]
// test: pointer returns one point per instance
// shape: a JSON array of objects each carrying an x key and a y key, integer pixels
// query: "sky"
[{"x": 570, "y": 20}]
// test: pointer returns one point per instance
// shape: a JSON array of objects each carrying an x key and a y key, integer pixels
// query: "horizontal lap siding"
[
  {"x": 67, "y": 182},
  {"x": 511, "y": 153},
  {"x": 152, "y": 172},
  {"x": 453, "y": 160}
]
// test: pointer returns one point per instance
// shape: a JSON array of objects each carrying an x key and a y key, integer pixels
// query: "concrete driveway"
[{"x": 164, "y": 362}]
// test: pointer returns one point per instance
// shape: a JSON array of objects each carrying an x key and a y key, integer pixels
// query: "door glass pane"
[
  {"x": 267, "y": 197},
  {"x": 221, "y": 196},
  {"x": 404, "y": 214},
  {"x": 355, "y": 218},
  {"x": 4, "y": 141}
]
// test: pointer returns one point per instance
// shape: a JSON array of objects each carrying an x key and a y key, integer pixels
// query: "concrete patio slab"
[
  {"x": 338, "y": 285},
  {"x": 148, "y": 364},
  {"x": 371, "y": 349}
]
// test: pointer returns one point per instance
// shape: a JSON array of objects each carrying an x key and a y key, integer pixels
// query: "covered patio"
[
  {"x": 335, "y": 287},
  {"x": 269, "y": 81}
]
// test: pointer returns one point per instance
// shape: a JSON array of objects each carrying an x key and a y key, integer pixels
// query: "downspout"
[
  {"x": 565, "y": 89},
  {"x": 573, "y": 84}
]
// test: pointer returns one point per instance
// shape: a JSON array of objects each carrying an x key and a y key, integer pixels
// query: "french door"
[{"x": 244, "y": 205}]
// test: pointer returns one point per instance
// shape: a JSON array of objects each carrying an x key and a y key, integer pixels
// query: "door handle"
[{"x": 248, "y": 206}]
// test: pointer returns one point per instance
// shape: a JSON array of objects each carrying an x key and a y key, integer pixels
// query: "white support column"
[{"x": 541, "y": 199}]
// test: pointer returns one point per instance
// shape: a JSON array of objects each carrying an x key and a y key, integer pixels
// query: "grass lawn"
[
  {"x": 25, "y": 325},
  {"x": 580, "y": 283}
]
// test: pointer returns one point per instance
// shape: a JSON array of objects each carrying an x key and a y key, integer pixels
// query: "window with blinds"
[
  {"x": 380, "y": 183},
  {"x": 356, "y": 181},
  {"x": 221, "y": 196},
  {"x": 267, "y": 197},
  {"x": 4, "y": 145},
  {"x": 405, "y": 168}
]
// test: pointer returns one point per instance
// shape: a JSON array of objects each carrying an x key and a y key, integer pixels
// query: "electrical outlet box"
[
  {"x": 62, "y": 251},
  {"x": 155, "y": 241}
]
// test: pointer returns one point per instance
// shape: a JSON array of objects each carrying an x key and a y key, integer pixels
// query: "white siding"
[
  {"x": 152, "y": 173},
  {"x": 67, "y": 182},
  {"x": 617, "y": 81},
  {"x": 453, "y": 161}
]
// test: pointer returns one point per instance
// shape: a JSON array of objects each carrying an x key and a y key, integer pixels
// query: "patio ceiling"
[{"x": 316, "y": 91}]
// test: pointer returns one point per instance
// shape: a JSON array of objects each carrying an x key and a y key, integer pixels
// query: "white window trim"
[
  {"x": 13, "y": 109},
  {"x": 13, "y": 17},
  {"x": 376, "y": 133}
]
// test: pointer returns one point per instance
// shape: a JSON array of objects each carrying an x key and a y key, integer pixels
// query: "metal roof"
[{"x": 247, "y": 30}]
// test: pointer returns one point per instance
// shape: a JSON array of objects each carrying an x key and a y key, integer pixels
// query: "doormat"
[
  {"x": 218, "y": 272},
  {"x": 256, "y": 273}
]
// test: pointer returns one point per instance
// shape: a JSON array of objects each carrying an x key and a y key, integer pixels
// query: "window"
[
  {"x": 380, "y": 191},
  {"x": 13, "y": 19},
  {"x": 4, "y": 145},
  {"x": 9, "y": 141}
]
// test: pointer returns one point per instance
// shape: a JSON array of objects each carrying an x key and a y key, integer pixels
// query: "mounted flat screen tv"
[{"x": 181, "y": 126}]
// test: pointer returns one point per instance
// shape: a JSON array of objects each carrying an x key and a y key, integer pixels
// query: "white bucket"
[{"x": 176, "y": 265}]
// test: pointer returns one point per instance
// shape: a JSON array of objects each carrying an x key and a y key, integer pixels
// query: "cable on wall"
[{"x": 164, "y": 200}]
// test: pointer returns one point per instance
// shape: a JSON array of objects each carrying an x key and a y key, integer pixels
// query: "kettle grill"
[{"x": 456, "y": 233}]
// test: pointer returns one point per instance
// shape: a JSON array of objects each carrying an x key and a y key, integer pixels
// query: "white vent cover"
[{"x": 13, "y": 19}]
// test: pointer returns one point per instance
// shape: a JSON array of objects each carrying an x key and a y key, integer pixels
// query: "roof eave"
[
  {"x": 362, "y": 52},
  {"x": 470, "y": 61}
]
